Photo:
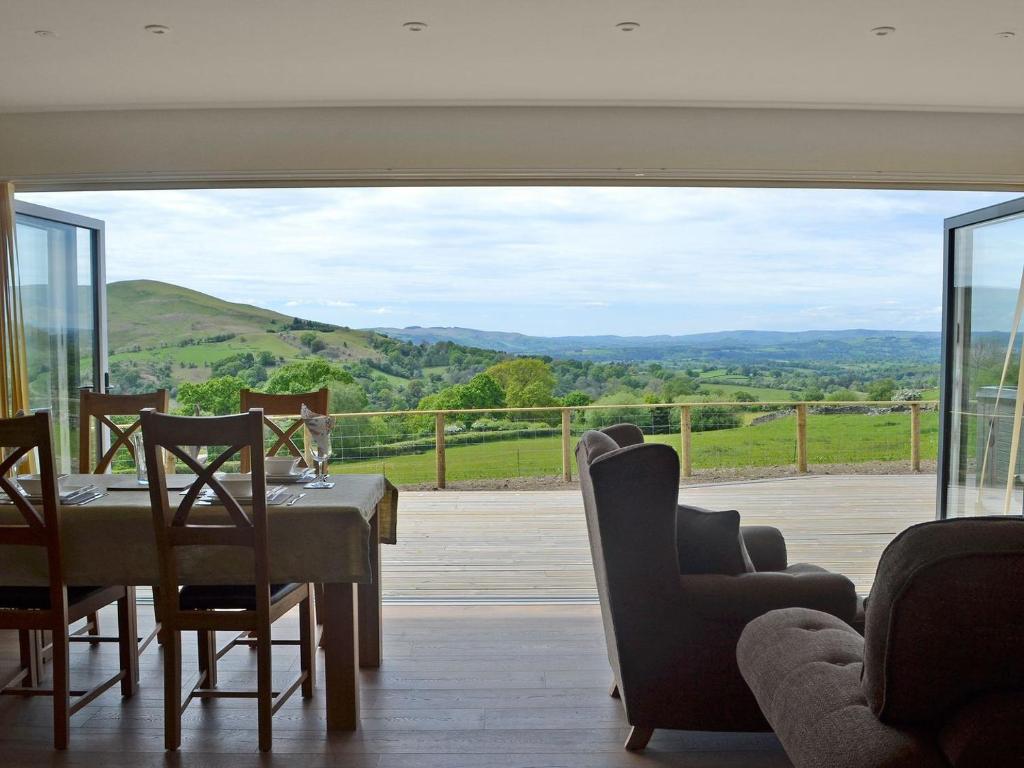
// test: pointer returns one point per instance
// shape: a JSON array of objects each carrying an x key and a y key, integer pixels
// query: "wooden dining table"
[{"x": 329, "y": 536}]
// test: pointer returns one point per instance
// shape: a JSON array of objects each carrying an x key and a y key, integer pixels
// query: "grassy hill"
[{"x": 153, "y": 323}]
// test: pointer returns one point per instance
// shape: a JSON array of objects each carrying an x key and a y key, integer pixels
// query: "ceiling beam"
[{"x": 511, "y": 145}]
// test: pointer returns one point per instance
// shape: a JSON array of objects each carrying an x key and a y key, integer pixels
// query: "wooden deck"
[{"x": 532, "y": 545}]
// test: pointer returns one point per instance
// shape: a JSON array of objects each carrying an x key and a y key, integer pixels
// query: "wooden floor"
[
  {"x": 466, "y": 686},
  {"x": 509, "y": 545}
]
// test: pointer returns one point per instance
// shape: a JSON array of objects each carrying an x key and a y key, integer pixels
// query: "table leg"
[
  {"x": 370, "y": 605},
  {"x": 341, "y": 656}
]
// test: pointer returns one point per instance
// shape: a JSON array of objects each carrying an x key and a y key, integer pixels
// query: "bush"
[
  {"x": 604, "y": 417},
  {"x": 712, "y": 417}
]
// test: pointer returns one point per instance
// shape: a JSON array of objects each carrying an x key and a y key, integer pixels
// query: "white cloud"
[{"x": 543, "y": 260}]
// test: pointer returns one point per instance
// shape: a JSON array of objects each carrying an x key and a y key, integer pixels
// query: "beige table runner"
[{"x": 323, "y": 538}]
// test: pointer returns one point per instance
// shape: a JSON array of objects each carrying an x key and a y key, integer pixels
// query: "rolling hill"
[
  {"x": 740, "y": 347},
  {"x": 153, "y": 323}
]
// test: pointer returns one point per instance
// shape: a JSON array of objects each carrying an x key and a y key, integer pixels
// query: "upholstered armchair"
[
  {"x": 936, "y": 681},
  {"x": 672, "y": 638}
]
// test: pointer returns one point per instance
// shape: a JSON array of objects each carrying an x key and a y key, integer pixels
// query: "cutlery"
[
  {"x": 280, "y": 500},
  {"x": 293, "y": 499},
  {"x": 89, "y": 499},
  {"x": 78, "y": 493}
]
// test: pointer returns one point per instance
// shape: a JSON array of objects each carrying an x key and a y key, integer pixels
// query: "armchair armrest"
[
  {"x": 766, "y": 547},
  {"x": 741, "y": 599}
]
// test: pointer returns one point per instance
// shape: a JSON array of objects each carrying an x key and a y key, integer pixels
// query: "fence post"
[
  {"x": 566, "y": 439},
  {"x": 801, "y": 438},
  {"x": 439, "y": 447},
  {"x": 685, "y": 442},
  {"x": 915, "y": 436}
]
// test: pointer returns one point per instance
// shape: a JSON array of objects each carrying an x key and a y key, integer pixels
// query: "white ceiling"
[{"x": 944, "y": 54}]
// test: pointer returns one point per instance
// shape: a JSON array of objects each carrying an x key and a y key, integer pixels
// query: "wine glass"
[{"x": 320, "y": 455}]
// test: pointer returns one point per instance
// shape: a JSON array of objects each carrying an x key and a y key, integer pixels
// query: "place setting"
[{"x": 70, "y": 492}]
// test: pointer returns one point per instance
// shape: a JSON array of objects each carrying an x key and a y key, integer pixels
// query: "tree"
[
  {"x": 744, "y": 397},
  {"x": 347, "y": 398},
  {"x": 813, "y": 394},
  {"x": 603, "y": 417},
  {"x": 577, "y": 398},
  {"x": 307, "y": 376},
  {"x": 266, "y": 359},
  {"x": 216, "y": 396},
  {"x": 714, "y": 417},
  {"x": 526, "y": 382},
  {"x": 306, "y": 339},
  {"x": 882, "y": 389}
]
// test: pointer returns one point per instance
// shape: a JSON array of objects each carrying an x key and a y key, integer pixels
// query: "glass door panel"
[
  {"x": 982, "y": 454},
  {"x": 60, "y": 261}
]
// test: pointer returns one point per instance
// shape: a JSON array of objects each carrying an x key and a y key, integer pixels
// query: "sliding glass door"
[
  {"x": 61, "y": 280},
  {"x": 981, "y": 469}
]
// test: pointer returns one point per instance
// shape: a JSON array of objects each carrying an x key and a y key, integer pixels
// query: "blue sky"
[{"x": 545, "y": 261}]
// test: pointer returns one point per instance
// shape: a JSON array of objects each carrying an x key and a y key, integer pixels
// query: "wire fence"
[{"x": 725, "y": 438}]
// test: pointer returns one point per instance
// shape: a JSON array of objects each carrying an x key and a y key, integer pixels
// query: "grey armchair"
[
  {"x": 672, "y": 639},
  {"x": 936, "y": 681}
]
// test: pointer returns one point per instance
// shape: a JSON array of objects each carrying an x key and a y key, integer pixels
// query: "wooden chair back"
[
  {"x": 101, "y": 406},
  {"x": 41, "y": 526},
  {"x": 172, "y": 524},
  {"x": 282, "y": 405}
]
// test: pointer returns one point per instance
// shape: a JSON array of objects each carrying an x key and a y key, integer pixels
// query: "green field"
[{"x": 831, "y": 439}]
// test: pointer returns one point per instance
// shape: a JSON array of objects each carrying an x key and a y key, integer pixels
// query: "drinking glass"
[{"x": 140, "y": 459}]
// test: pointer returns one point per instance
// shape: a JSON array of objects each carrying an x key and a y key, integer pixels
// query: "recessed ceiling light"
[
  {"x": 157, "y": 29},
  {"x": 415, "y": 26},
  {"x": 883, "y": 31},
  {"x": 627, "y": 26},
  {"x": 45, "y": 33},
  {"x": 1005, "y": 35}
]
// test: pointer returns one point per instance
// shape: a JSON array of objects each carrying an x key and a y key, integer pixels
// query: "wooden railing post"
[
  {"x": 566, "y": 439},
  {"x": 685, "y": 441},
  {"x": 915, "y": 436},
  {"x": 801, "y": 438},
  {"x": 439, "y": 448}
]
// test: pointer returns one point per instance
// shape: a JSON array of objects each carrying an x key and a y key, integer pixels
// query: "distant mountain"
[{"x": 852, "y": 345}]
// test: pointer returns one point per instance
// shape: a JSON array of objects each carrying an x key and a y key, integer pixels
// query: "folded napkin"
[{"x": 319, "y": 427}]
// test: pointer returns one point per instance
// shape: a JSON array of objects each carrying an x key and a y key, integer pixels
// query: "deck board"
[{"x": 510, "y": 545}]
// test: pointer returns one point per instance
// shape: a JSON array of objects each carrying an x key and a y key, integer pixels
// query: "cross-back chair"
[
  {"x": 282, "y": 405},
  {"x": 32, "y": 610},
  {"x": 244, "y": 609},
  {"x": 100, "y": 407}
]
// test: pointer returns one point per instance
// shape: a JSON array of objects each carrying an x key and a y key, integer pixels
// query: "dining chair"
[
  {"x": 248, "y": 610},
  {"x": 32, "y": 610},
  {"x": 100, "y": 407},
  {"x": 287, "y": 405},
  {"x": 282, "y": 405}
]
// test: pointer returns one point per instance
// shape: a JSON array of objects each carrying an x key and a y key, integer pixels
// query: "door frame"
[
  {"x": 98, "y": 234},
  {"x": 951, "y": 332}
]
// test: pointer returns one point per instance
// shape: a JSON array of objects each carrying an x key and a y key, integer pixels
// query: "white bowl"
[
  {"x": 279, "y": 466},
  {"x": 239, "y": 485}
]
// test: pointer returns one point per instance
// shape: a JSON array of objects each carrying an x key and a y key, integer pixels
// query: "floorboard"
[{"x": 462, "y": 686}]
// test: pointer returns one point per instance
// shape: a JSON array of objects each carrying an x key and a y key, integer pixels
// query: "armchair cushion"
[
  {"x": 710, "y": 542},
  {"x": 804, "y": 669}
]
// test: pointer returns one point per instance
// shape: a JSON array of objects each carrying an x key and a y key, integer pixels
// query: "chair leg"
[
  {"x": 638, "y": 738},
  {"x": 28, "y": 646},
  {"x": 207, "y": 640},
  {"x": 172, "y": 690},
  {"x": 93, "y": 620},
  {"x": 161, "y": 634},
  {"x": 128, "y": 642},
  {"x": 307, "y": 651},
  {"x": 61, "y": 690},
  {"x": 264, "y": 688}
]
